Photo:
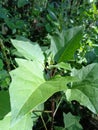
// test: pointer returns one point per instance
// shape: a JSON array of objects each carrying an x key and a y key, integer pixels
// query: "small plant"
[
  {"x": 52, "y": 82},
  {"x": 40, "y": 74}
]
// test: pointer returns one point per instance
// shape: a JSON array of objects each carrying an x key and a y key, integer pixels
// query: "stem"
[
  {"x": 53, "y": 108},
  {"x": 57, "y": 107},
  {"x": 44, "y": 122},
  {"x": 42, "y": 111},
  {"x": 4, "y": 55}
]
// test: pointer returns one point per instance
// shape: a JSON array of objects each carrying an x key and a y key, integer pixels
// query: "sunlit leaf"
[
  {"x": 61, "y": 65},
  {"x": 29, "y": 50},
  {"x": 85, "y": 91},
  {"x": 25, "y": 123},
  {"x": 29, "y": 88},
  {"x": 65, "y": 43}
]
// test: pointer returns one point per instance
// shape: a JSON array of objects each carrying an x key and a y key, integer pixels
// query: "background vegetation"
[{"x": 49, "y": 24}]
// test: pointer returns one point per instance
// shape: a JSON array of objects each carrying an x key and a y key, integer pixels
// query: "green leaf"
[
  {"x": 22, "y": 3},
  {"x": 85, "y": 91},
  {"x": 52, "y": 15},
  {"x": 4, "y": 79},
  {"x": 25, "y": 123},
  {"x": 14, "y": 23},
  {"x": 5, "y": 123},
  {"x": 3, "y": 12},
  {"x": 3, "y": 74},
  {"x": 59, "y": 128},
  {"x": 65, "y": 43},
  {"x": 29, "y": 50},
  {"x": 4, "y": 103},
  {"x": 61, "y": 65},
  {"x": 10, "y": 23},
  {"x": 89, "y": 1},
  {"x": 72, "y": 122},
  {"x": 29, "y": 88},
  {"x": 1, "y": 64},
  {"x": 90, "y": 57}
]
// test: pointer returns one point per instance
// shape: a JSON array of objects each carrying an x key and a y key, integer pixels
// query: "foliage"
[
  {"x": 54, "y": 69},
  {"x": 35, "y": 82},
  {"x": 4, "y": 103},
  {"x": 86, "y": 87},
  {"x": 28, "y": 81},
  {"x": 72, "y": 122},
  {"x": 62, "y": 42}
]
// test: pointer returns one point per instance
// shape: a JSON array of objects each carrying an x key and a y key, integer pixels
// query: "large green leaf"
[
  {"x": 4, "y": 103},
  {"x": 29, "y": 88},
  {"x": 65, "y": 43},
  {"x": 85, "y": 90},
  {"x": 5, "y": 123},
  {"x": 25, "y": 123},
  {"x": 28, "y": 49},
  {"x": 72, "y": 122}
]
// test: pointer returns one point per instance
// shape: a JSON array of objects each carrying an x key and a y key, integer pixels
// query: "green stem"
[
  {"x": 5, "y": 55},
  {"x": 43, "y": 111},
  {"x": 53, "y": 108},
  {"x": 57, "y": 107},
  {"x": 44, "y": 122}
]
